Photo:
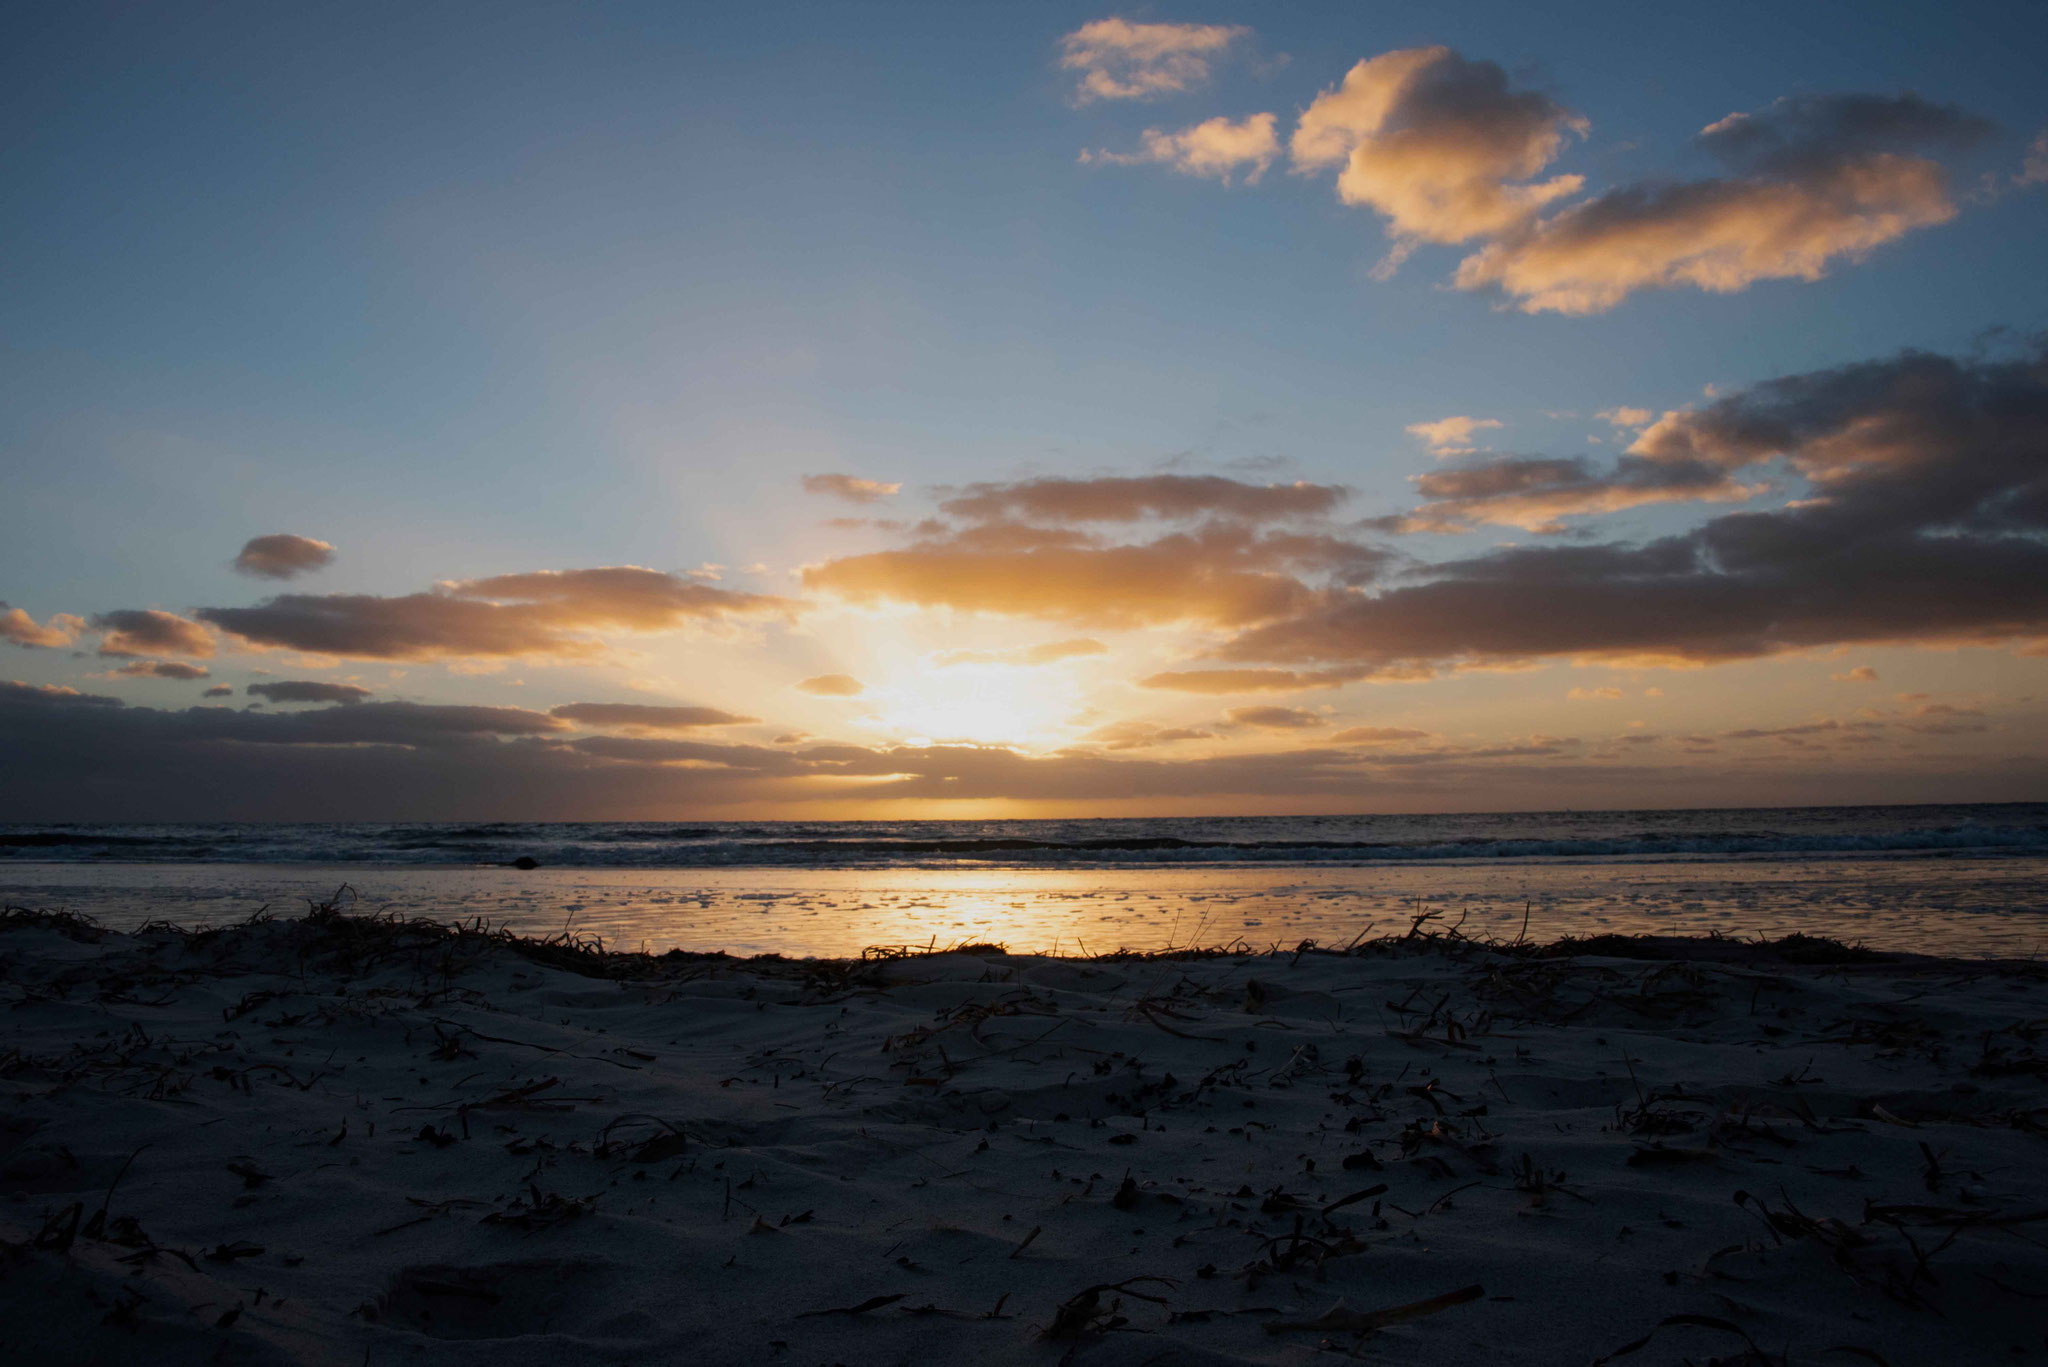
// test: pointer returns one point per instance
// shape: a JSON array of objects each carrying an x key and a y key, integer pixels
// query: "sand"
[{"x": 337, "y": 1139}]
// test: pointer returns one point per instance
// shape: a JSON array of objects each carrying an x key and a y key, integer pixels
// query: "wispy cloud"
[
  {"x": 1120, "y": 60},
  {"x": 852, "y": 488},
  {"x": 1452, "y": 436},
  {"x": 1215, "y": 149}
]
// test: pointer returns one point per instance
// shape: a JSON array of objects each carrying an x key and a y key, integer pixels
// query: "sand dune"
[{"x": 344, "y": 1140}]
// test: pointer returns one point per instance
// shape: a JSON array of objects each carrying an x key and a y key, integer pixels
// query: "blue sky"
[{"x": 478, "y": 290}]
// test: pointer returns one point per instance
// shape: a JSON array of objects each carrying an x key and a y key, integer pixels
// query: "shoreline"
[
  {"x": 337, "y": 1138},
  {"x": 1954, "y": 906}
]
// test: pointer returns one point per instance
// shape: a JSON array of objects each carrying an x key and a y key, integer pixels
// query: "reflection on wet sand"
[{"x": 1968, "y": 906}]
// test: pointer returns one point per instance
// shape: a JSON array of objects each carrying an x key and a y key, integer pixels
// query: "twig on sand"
[{"x": 1340, "y": 1320}]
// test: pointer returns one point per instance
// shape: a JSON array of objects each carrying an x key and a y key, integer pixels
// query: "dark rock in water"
[{"x": 526, "y": 861}]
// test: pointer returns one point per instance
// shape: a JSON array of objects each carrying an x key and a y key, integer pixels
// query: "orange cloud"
[
  {"x": 1120, "y": 60},
  {"x": 833, "y": 686},
  {"x": 1451, "y": 436},
  {"x": 546, "y": 613},
  {"x": 1138, "y": 735},
  {"x": 1817, "y": 178},
  {"x": 1929, "y": 524},
  {"x": 1533, "y": 492},
  {"x": 1440, "y": 145},
  {"x": 1274, "y": 718},
  {"x": 150, "y": 631},
  {"x": 1718, "y": 235},
  {"x": 850, "y": 488},
  {"x": 1377, "y": 735},
  {"x": 1219, "y": 578},
  {"x": 19, "y": 628},
  {"x": 1215, "y": 149},
  {"x": 1223, "y": 681},
  {"x": 1045, "y": 653},
  {"x": 629, "y": 716}
]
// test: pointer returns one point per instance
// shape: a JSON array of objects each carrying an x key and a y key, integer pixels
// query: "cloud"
[
  {"x": 1224, "y": 681},
  {"x": 850, "y": 488},
  {"x": 643, "y": 717},
  {"x": 1138, "y": 498},
  {"x": 1120, "y": 60},
  {"x": 1224, "y": 571},
  {"x": 546, "y": 613},
  {"x": 160, "y": 669},
  {"x": 1448, "y": 151},
  {"x": 218, "y": 691},
  {"x": 1533, "y": 492},
  {"x": 308, "y": 690},
  {"x": 16, "y": 694},
  {"x": 150, "y": 631},
  {"x": 1215, "y": 149},
  {"x": 1626, "y": 417},
  {"x": 1800, "y": 133},
  {"x": 1860, "y": 674},
  {"x": 1817, "y": 178},
  {"x": 1609, "y": 694},
  {"x": 1928, "y": 523},
  {"x": 1377, "y": 735},
  {"x": 2034, "y": 166},
  {"x": 282, "y": 555},
  {"x": 1138, "y": 735},
  {"x": 1451, "y": 436},
  {"x": 1944, "y": 719},
  {"x": 833, "y": 686},
  {"x": 401, "y": 761},
  {"x": 18, "y": 628},
  {"x": 1219, "y": 575},
  {"x": 1274, "y": 718},
  {"x": 1441, "y": 146},
  {"x": 1045, "y": 653}
]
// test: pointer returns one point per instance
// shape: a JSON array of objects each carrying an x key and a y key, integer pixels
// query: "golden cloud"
[
  {"x": 1441, "y": 146},
  {"x": 628, "y": 716},
  {"x": 1215, "y": 149},
  {"x": 850, "y": 488},
  {"x": 61, "y": 629},
  {"x": 833, "y": 686},
  {"x": 1120, "y": 60},
  {"x": 547, "y": 613},
  {"x": 151, "y": 631}
]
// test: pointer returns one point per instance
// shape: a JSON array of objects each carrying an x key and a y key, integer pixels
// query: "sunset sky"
[{"x": 472, "y": 412}]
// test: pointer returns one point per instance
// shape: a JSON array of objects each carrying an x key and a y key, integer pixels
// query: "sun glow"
[{"x": 976, "y": 704}]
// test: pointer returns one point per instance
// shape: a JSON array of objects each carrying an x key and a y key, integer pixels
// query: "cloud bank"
[{"x": 545, "y": 613}]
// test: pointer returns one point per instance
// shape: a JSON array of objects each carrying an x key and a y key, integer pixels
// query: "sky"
[{"x": 826, "y": 411}]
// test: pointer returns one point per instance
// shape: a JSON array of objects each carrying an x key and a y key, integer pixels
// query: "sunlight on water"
[{"x": 1981, "y": 906}]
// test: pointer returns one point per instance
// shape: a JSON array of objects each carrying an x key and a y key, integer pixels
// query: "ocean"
[{"x": 1960, "y": 879}]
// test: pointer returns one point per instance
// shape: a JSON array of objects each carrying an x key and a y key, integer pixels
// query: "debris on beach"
[{"x": 339, "y": 1138}]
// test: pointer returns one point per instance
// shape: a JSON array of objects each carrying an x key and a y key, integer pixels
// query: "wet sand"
[{"x": 1948, "y": 905}]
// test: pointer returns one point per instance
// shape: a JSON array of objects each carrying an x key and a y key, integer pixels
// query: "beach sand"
[{"x": 349, "y": 1140}]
